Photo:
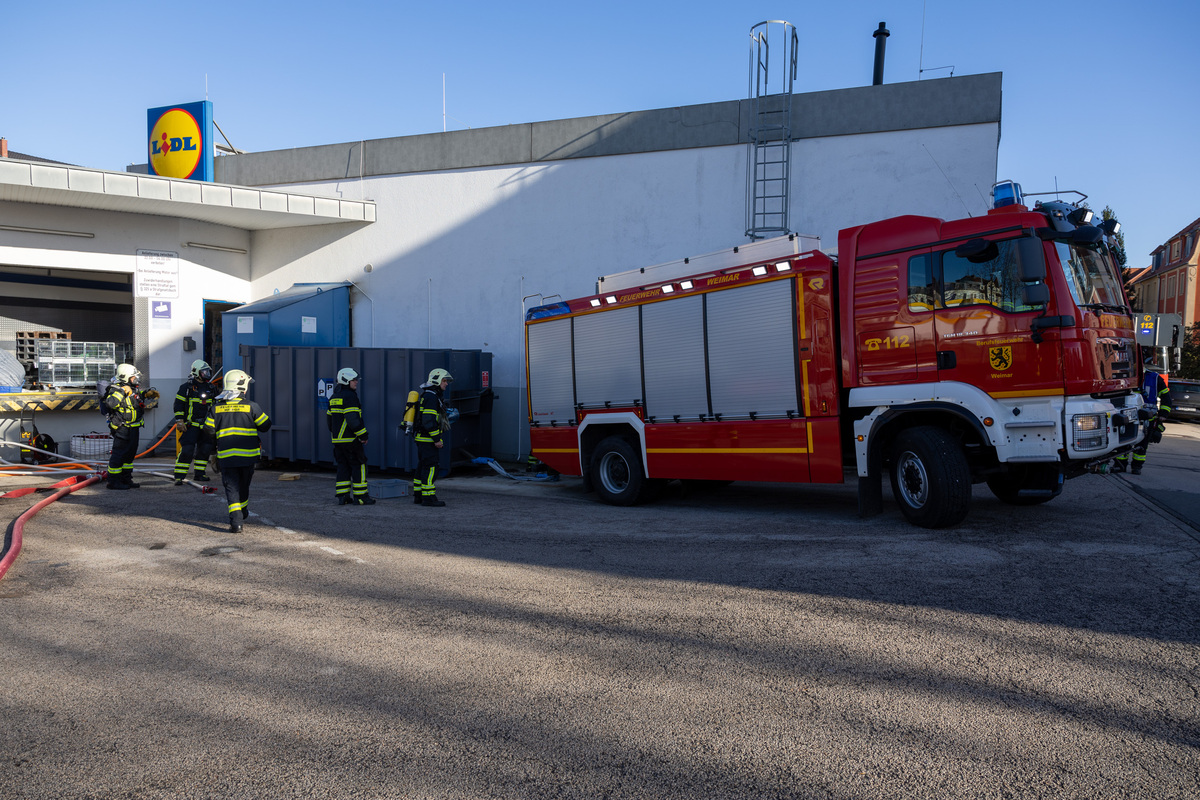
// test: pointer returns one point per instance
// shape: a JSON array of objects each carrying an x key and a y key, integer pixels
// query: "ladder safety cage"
[{"x": 769, "y": 165}]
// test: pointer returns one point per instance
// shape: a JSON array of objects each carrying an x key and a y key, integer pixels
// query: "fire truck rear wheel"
[
  {"x": 931, "y": 480},
  {"x": 617, "y": 472}
]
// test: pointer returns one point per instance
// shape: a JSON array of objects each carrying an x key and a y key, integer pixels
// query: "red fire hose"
[{"x": 71, "y": 484}]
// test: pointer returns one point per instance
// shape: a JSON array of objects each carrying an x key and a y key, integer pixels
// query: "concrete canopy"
[{"x": 239, "y": 207}]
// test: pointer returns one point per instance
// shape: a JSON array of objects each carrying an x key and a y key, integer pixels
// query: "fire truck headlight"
[
  {"x": 759, "y": 271},
  {"x": 595, "y": 303},
  {"x": 1089, "y": 431}
]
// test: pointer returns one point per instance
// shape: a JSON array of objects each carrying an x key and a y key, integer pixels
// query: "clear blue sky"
[{"x": 1100, "y": 96}]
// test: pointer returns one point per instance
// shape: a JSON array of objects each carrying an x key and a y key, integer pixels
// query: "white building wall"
[{"x": 454, "y": 252}]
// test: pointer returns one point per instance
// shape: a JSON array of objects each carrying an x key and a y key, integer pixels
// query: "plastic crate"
[{"x": 383, "y": 489}]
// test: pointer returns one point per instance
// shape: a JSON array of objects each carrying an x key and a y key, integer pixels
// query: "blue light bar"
[
  {"x": 1007, "y": 193},
  {"x": 552, "y": 310}
]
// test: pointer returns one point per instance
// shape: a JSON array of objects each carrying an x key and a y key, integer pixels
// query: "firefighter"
[
  {"x": 192, "y": 402},
  {"x": 1155, "y": 393},
  {"x": 126, "y": 412},
  {"x": 349, "y": 432},
  {"x": 431, "y": 422},
  {"x": 235, "y": 423}
]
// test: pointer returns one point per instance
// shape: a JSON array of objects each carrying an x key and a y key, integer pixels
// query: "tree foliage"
[{"x": 1189, "y": 353}]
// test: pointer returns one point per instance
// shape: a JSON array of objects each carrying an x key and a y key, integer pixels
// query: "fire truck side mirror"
[
  {"x": 1036, "y": 294},
  {"x": 1032, "y": 258}
]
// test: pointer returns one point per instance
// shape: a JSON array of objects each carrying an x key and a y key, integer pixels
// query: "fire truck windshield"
[{"x": 1091, "y": 275}]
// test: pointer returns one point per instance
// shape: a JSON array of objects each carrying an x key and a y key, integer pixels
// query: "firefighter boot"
[
  {"x": 365, "y": 500},
  {"x": 418, "y": 499},
  {"x": 432, "y": 500},
  {"x": 130, "y": 483},
  {"x": 1136, "y": 469},
  {"x": 179, "y": 481},
  {"x": 200, "y": 477},
  {"x": 235, "y": 524},
  {"x": 116, "y": 484},
  {"x": 345, "y": 500}
]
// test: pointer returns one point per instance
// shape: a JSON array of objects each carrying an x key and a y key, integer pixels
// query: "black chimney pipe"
[{"x": 881, "y": 36}]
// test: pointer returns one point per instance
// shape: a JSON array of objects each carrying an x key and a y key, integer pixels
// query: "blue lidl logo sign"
[{"x": 180, "y": 141}]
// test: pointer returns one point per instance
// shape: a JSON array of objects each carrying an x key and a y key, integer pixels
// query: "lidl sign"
[{"x": 180, "y": 141}]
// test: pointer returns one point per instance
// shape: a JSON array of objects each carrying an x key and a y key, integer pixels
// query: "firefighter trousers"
[
  {"x": 351, "y": 460},
  {"x": 124, "y": 448},
  {"x": 236, "y": 481},
  {"x": 195, "y": 446},
  {"x": 428, "y": 458}
]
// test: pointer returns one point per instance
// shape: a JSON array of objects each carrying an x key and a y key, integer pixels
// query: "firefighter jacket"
[
  {"x": 431, "y": 415},
  {"x": 124, "y": 406},
  {"x": 235, "y": 424},
  {"x": 193, "y": 401},
  {"x": 345, "y": 417}
]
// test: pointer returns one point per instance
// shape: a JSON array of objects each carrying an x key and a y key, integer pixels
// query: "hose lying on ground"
[{"x": 13, "y": 547}]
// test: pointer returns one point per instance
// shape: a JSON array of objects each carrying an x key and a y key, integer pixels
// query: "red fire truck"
[{"x": 995, "y": 349}]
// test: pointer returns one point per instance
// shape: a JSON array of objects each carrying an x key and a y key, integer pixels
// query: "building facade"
[
  {"x": 1168, "y": 286},
  {"x": 447, "y": 238}
]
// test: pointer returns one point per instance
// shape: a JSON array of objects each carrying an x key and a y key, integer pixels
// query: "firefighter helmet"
[
  {"x": 438, "y": 375},
  {"x": 201, "y": 371},
  {"x": 237, "y": 381},
  {"x": 346, "y": 375},
  {"x": 127, "y": 374}
]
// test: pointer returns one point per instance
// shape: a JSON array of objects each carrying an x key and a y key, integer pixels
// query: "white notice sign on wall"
[
  {"x": 156, "y": 274},
  {"x": 308, "y": 324},
  {"x": 245, "y": 324}
]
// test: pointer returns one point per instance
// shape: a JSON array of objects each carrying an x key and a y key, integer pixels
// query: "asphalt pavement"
[{"x": 527, "y": 641}]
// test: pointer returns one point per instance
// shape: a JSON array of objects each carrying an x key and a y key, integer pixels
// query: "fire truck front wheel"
[
  {"x": 930, "y": 477},
  {"x": 617, "y": 472}
]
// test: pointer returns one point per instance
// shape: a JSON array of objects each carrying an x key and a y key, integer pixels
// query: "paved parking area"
[{"x": 527, "y": 641}]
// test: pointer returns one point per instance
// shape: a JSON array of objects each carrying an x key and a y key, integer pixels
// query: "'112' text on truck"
[{"x": 995, "y": 349}]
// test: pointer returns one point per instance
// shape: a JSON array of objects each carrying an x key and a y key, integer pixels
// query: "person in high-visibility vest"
[
  {"x": 1157, "y": 398},
  {"x": 192, "y": 402},
  {"x": 349, "y": 433},
  {"x": 431, "y": 421},
  {"x": 235, "y": 424},
  {"x": 126, "y": 414}
]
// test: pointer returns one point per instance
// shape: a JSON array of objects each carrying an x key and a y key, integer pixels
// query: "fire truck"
[{"x": 996, "y": 349}]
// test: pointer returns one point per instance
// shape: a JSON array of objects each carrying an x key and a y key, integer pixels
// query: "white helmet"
[
  {"x": 237, "y": 381},
  {"x": 438, "y": 375},
  {"x": 127, "y": 373},
  {"x": 201, "y": 370},
  {"x": 346, "y": 375}
]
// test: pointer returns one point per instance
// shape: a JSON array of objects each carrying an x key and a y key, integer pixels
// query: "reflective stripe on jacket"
[
  {"x": 236, "y": 424},
  {"x": 429, "y": 415},
  {"x": 125, "y": 407},
  {"x": 190, "y": 406},
  {"x": 345, "y": 416}
]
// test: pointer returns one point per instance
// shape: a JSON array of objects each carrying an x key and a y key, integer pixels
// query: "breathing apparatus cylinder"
[{"x": 410, "y": 411}]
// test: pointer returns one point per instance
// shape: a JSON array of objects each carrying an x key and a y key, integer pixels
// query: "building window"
[
  {"x": 1187, "y": 247},
  {"x": 1175, "y": 247}
]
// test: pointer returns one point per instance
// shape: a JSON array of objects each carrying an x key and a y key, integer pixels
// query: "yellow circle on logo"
[{"x": 175, "y": 144}]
